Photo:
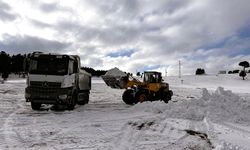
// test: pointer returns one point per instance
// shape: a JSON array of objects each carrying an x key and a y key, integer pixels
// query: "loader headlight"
[{"x": 64, "y": 96}]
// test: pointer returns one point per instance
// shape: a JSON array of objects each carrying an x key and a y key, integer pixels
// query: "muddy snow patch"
[
  {"x": 140, "y": 125},
  {"x": 202, "y": 136}
]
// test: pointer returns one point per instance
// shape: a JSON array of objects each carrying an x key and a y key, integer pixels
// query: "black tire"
[
  {"x": 73, "y": 101},
  {"x": 85, "y": 101},
  {"x": 87, "y": 98},
  {"x": 35, "y": 106},
  {"x": 141, "y": 96},
  {"x": 167, "y": 96},
  {"x": 128, "y": 97}
]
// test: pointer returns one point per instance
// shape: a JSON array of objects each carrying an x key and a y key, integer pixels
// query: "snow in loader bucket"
[
  {"x": 113, "y": 78},
  {"x": 112, "y": 82}
]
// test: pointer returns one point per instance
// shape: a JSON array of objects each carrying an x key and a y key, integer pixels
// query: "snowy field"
[{"x": 206, "y": 112}]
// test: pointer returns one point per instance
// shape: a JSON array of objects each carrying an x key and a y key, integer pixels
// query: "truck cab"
[{"x": 56, "y": 79}]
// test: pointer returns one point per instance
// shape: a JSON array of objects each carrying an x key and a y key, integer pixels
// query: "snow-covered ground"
[{"x": 203, "y": 114}]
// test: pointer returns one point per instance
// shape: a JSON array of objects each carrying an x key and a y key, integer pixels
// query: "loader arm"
[
  {"x": 132, "y": 83},
  {"x": 121, "y": 82}
]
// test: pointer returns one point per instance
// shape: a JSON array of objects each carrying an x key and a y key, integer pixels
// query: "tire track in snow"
[
  {"x": 244, "y": 132},
  {"x": 13, "y": 136},
  {"x": 127, "y": 138},
  {"x": 226, "y": 129}
]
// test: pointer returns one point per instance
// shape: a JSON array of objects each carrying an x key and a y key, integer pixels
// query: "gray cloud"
[
  {"x": 161, "y": 32},
  {"x": 112, "y": 35},
  {"x": 26, "y": 44},
  {"x": 40, "y": 24},
  {"x": 52, "y": 7},
  {"x": 5, "y": 14}
]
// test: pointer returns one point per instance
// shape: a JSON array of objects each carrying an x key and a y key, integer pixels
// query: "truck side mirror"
[{"x": 75, "y": 67}]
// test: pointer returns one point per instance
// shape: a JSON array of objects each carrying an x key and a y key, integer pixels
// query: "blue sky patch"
[
  {"x": 239, "y": 52},
  {"x": 149, "y": 68},
  {"x": 245, "y": 31},
  {"x": 122, "y": 53}
]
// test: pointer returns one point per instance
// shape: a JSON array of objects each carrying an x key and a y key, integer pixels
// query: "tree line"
[
  {"x": 94, "y": 72},
  {"x": 18, "y": 64},
  {"x": 11, "y": 64},
  {"x": 242, "y": 73}
]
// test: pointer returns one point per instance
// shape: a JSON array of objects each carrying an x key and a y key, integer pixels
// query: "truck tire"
[
  {"x": 72, "y": 104},
  {"x": 85, "y": 99},
  {"x": 35, "y": 106},
  {"x": 128, "y": 97}
]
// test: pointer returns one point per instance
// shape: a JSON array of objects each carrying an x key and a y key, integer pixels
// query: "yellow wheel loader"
[{"x": 150, "y": 89}]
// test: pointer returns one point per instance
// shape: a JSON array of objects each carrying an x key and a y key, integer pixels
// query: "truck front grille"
[
  {"x": 37, "y": 90},
  {"x": 45, "y": 85}
]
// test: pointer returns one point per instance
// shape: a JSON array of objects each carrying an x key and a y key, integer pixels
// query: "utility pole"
[
  {"x": 166, "y": 73},
  {"x": 179, "y": 69}
]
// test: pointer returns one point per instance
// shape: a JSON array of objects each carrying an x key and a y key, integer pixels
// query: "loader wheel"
[
  {"x": 128, "y": 97},
  {"x": 35, "y": 106},
  {"x": 167, "y": 96},
  {"x": 141, "y": 97}
]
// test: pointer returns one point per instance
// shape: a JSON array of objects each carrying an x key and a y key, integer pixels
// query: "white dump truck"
[{"x": 56, "y": 79}]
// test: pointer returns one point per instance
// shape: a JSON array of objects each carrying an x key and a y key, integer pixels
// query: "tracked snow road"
[{"x": 106, "y": 123}]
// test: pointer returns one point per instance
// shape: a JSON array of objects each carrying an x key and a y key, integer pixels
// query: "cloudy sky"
[{"x": 133, "y": 35}]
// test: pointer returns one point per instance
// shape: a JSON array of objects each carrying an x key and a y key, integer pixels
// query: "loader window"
[
  {"x": 149, "y": 78},
  {"x": 152, "y": 78}
]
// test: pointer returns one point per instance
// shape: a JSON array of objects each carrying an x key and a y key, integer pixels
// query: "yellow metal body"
[
  {"x": 155, "y": 87},
  {"x": 152, "y": 87}
]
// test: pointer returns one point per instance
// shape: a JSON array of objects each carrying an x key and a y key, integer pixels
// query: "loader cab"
[{"x": 152, "y": 77}]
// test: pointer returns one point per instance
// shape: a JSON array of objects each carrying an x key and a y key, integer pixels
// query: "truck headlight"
[
  {"x": 64, "y": 96},
  {"x": 27, "y": 95},
  {"x": 68, "y": 81}
]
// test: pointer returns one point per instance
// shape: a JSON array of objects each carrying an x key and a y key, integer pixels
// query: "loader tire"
[
  {"x": 167, "y": 96},
  {"x": 128, "y": 97},
  {"x": 141, "y": 97}
]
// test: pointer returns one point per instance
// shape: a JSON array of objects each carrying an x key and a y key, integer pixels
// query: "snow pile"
[
  {"x": 220, "y": 105},
  {"x": 115, "y": 72}
]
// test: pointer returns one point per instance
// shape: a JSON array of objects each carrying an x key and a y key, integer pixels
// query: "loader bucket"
[
  {"x": 113, "y": 82},
  {"x": 114, "y": 78}
]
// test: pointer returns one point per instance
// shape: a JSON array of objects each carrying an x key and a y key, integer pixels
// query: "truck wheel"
[
  {"x": 128, "y": 97},
  {"x": 72, "y": 104},
  {"x": 85, "y": 99},
  {"x": 35, "y": 106},
  {"x": 141, "y": 97}
]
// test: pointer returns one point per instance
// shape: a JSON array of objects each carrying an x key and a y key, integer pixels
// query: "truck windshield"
[{"x": 49, "y": 66}]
